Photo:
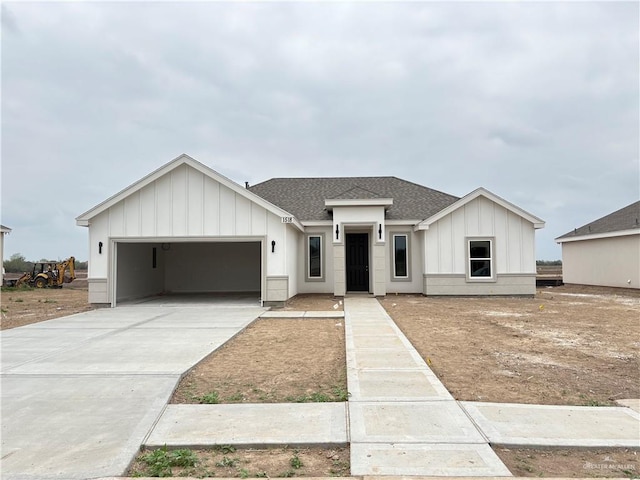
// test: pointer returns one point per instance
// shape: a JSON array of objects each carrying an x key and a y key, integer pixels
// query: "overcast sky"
[{"x": 537, "y": 102}]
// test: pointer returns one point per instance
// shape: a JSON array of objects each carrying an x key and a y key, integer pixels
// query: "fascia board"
[
  {"x": 596, "y": 236},
  {"x": 84, "y": 219},
  {"x": 537, "y": 222}
]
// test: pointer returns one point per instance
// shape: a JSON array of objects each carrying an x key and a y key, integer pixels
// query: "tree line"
[{"x": 17, "y": 263}]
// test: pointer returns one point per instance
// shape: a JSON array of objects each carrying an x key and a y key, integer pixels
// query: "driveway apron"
[{"x": 80, "y": 393}]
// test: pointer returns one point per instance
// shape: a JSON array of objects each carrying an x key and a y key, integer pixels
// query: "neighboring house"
[
  {"x": 186, "y": 228},
  {"x": 3, "y": 231},
  {"x": 604, "y": 252}
]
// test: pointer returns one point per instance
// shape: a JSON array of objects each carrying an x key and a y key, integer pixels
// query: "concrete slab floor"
[
  {"x": 63, "y": 417},
  {"x": 427, "y": 460},
  {"x": 251, "y": 425},
  {"x": 411, "y": 422},
  {"x": 161, "y": 351},
  {"x": 77, "y": 426},
  {"x": 556, "y": 425},
  {"x": 396, "y": 385},
  {"x": 632, "y": 403}
]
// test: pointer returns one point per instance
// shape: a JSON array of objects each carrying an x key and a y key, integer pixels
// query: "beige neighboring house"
[
  {"x": 185, "y": 228},
  {"x": 3, "y": 231},
  {"x": 605, "y": 252}
]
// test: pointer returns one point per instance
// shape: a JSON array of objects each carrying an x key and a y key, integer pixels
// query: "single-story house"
[
  {"x": 186, "y": 228},
  {"x": 3, "y": 231},
  {"x": 605, "y": 252}
]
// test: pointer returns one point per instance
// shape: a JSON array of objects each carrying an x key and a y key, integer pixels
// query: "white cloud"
[{"x": 535, "y": 101}]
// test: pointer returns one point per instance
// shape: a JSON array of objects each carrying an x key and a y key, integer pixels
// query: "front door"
[{"x": 357, "y": 262}]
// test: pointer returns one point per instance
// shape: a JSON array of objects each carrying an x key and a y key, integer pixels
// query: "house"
[
  {"x": 604, "y": 252},
  {"x": 185, "y": 229},
  {"x": 3, "y": 231}
]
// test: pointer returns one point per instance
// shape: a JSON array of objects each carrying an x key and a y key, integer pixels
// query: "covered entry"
[{"x": 144, "y": 268}]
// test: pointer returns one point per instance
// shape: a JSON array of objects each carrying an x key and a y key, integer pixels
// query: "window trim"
[
  {"x": 394, "y": 277},
  {"x": 492, "y": 259},
  {"x": 307, "y": 255}
]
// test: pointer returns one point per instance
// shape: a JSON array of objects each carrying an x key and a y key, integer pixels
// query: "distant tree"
[
  {"x": 82, "y": 265},
  {"x": 17, "y": 263}
]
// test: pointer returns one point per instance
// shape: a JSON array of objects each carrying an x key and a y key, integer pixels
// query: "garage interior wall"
[
  {"x": 136, "y": 276},
  {"x": 213, "y": 267}
]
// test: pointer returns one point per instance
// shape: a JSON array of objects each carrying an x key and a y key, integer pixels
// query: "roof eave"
[
  {"x": 596, "y": 236},
  {"x": 84, "y": 219},
  {"x": 537, "y": 222}
]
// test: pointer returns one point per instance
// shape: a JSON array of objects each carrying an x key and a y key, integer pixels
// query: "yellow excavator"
[{"x": 50, "y": 274}]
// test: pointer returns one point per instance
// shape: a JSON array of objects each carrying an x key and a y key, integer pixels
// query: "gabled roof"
[
  {"x": 626, "y": 220},
  {"x": 83, "y": 220},
  {"x": 305, "y": 197},
  {"x": 481, "y": 192}
]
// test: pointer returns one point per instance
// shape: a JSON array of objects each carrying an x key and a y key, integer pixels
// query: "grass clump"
[{"x": 160, "y": 462}]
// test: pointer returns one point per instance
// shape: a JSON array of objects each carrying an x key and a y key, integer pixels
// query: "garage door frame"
[{"x": 113, "y": 252}]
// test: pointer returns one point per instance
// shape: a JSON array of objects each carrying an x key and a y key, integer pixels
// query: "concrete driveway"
[{"x": 80, "y": 393}]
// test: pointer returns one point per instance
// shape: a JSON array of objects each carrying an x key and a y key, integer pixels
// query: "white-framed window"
[
  {"x": 480, "y": 264},
  {"x": 400, "y": 256},
  {"x": 315, "y": 257}
]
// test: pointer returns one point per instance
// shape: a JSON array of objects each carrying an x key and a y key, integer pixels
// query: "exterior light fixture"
[
  {"x": 273, "y": 246},
  {"x": 100, "y": 248}
]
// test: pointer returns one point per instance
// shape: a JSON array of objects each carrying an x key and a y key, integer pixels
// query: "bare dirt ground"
[
  {"x": 227, "y": 462},
  {"x": 273, "y": 360},
  {"x": 23, "y": 306},
  {"x": 569, "y": 345}
]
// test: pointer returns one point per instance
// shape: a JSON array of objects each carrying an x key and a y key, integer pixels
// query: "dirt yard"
[
  {"x": 22, "y": 306},
  {"x": 568, "y": 345}
]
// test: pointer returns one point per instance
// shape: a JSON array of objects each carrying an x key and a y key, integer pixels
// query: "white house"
[
  {"x": 605, "y": 252},
  {"x": 3, "y": 231},
  {"x": 185, "y": 228}
]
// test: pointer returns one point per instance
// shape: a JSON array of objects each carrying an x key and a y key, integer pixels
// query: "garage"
[
  {"x": 186, "y": 229},
  {"x": 144, "y": 268}
]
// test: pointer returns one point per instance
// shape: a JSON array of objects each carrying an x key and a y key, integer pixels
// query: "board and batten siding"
[
  {"x": 445, "y": 251},
  {"x": 185, "y": 205}
]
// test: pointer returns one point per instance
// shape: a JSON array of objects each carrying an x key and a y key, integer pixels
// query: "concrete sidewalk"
[
  {"x": 80, "y": 393},
  {"x": 401, "y": 418}
]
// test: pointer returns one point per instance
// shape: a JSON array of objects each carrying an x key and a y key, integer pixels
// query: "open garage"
[{"x": 145, "y": 268}]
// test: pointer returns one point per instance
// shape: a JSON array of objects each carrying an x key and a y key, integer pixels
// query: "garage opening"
[{"x": 150, "y": 269}]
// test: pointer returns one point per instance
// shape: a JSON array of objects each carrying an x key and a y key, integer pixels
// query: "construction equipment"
[{"x": 49, "y": 274}]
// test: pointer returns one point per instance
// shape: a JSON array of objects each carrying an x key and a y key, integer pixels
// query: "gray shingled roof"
[
  {"x": 304, "y": 197},
  {"x": 626, "y": 218}
]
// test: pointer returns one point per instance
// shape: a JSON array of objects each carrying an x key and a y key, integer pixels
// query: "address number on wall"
[{"x": 287, "y": 219}]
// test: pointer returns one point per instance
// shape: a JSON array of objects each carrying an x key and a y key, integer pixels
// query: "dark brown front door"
[{"x": 357, "y": 262}]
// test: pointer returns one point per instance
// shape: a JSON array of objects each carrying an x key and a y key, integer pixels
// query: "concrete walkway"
[
  {"x": 80, "y": 393},
  {"x": 401, "y": 418}
]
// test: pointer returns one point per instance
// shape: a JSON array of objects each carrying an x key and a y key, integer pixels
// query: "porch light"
[
  {"x": 100, "y": 248},
  {"x": 273, "y": 246},
  {"x": 337, "y": 231}
]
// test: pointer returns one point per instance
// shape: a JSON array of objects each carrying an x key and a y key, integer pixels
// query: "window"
[
  {"x": 314, "y": 253},
  {"x": 480, "y": 259},
  {"x": 400, "y": 257}
]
